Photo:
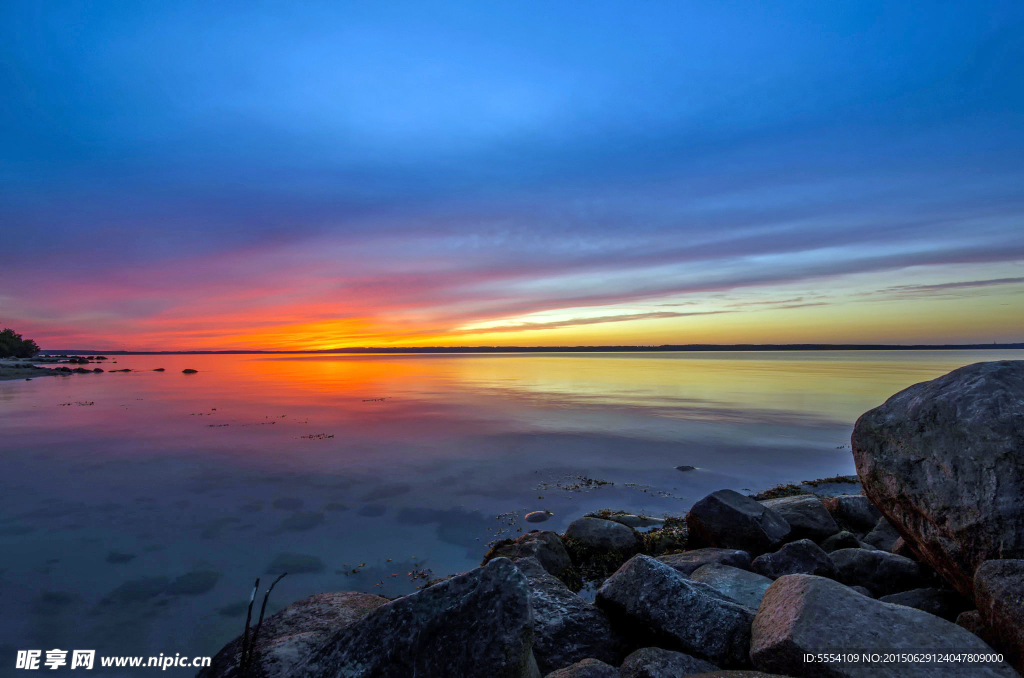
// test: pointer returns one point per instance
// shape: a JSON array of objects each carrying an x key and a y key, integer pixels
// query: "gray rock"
[
  {"x": 798, "y": 557},
  {"x": 862, "y": 590},
  {"x": 688, "y": 561},
  {"x": 288, "y": 636},
  {"x": 566, "y": 628},
  {"x": 882, "y": 573},
  {"x": 853, "y": 512},
  {"x": 999, "y": 592},
  {"x": 543, "y": 545},
  {"x": 940, "y": 602},
  {"x": 727, "y": 519},
  {"x": 604, "y": 535},
  {"x": 746, "y": 588},
  {"x": 807, "y": 516},
  {"x": 842, "y": 540},
  {"x": 802, "y": 614},
  {"x": 971, "y": 620},
  {"x": 587, "y": 668},
  {"x": 654, "y": 662},
  {"x": 882, "y": 536},
  {"x": 737, "y": 674},
  {"x": 485, "y": 613},
  {"x": 942, "y": 458},
  {"x": 629, "y": 519},
  {"x": 649, "y": 599},
  {"x": 902, "y": 548}
]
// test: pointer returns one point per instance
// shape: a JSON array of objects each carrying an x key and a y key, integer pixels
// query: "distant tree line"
[{"x": 13, "y": 346}]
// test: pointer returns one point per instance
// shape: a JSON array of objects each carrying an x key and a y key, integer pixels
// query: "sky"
[{"x": 281, "y": 175}]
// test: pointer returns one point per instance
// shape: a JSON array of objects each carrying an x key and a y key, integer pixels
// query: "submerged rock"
[
  {"x": 287, "y": 636},
  {"x": 943, "y": 459},
  {"x": 485, "y": 614},
  {"x": 727, "y": 519}
]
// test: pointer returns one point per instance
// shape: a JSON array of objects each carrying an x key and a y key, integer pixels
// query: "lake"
[{"x": 137, "y": 508}]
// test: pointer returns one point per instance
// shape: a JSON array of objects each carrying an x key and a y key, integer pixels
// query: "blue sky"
[{"x": 415, "y": 171}]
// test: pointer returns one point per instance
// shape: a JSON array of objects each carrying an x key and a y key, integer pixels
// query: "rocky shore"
[{"x": 921, "y": 574}]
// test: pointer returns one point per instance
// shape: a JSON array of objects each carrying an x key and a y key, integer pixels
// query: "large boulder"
[
  {"x": 807, "y": 615},
  {"x": 728, "y": 519},
  {"x": 688, "y": 561},
  {"x": 944, "y": 603},
  {"x": 746, "y": 588},
  {"x": 289, "y": 635},
  {"x": 586, "y": 668},
  {"x": 853, "y": 512},
  {"x": 566, "y": 628},
  {"x": 659, "y": 606},
  {"x": 544, "y": 545},
  {"x": 943, "y": 460},
  {"x": 485, "y": 614},
  {"x": 655, "y": 662},
  {"x": 807, "y": 516},
  {"x": 999, "y": 592},
  {"x": 880, "y": 572},
  {"x": 798, "y": 557}
]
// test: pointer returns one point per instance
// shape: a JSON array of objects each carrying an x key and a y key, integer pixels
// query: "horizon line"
[{"x": 559, "y": 349}]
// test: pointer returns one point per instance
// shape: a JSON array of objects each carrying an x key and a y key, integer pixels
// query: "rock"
[
  {"x": 971, "y": 620},
  {"x": 588, "y": 668},
  {"x": 798, "y": 557},
  {"x": 688, "y": 561},
  {"x": 803, "y": 614},
  {"x": 566, "y": 628},
  {"x": 940, "y": 602},
  {"x": 882, "y": 573},
  {"x": 629, "y": 519},
  {"x": 746, "y": 588},
  {"x": 862, "y": 590},
  {"x": 537, "y": 516},
  {"x": 604, "y": 535},
  {"x": 185, "y": 371},
  {"x": 736, "y": 674},
  {"x": 807, "y": 516},
  {"x": 727, "y": 519},
  {"x": 286, "y": 637},
  {"x": 999, "y": 592},
  {"x": 902, "y": 548},
  {"x": 485, "y": 613},
  {"x": 853, "y": 512},
  {"x": 684, "y": 468},
  {"x": 654, "y": 662},
  {"x": 943, "y": 460},
  {"x": 843, "y": 540},
  {"x": 652, "y": 601},
  {"x": 882, "y": 536},
  {"x": 543, "y": 545},
  {"x": 598, "y": 547}
]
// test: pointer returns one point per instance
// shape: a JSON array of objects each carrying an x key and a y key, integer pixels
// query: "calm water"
[{"x": 364, "y": 469}]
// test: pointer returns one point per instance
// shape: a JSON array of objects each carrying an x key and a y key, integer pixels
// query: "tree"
[{"x": 13, "y": 346}]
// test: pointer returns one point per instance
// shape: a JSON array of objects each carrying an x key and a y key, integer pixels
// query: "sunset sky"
[{"x": 227, "y": 175}]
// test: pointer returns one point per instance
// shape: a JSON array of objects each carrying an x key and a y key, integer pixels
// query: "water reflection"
[{"x": 136, "y": 508}]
